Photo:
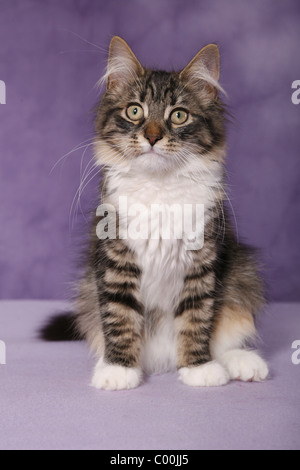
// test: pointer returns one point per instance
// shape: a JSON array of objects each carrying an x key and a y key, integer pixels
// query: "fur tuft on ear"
[
  {"x": 122, "y": 67},
  {"x": 204, "y": 69}
]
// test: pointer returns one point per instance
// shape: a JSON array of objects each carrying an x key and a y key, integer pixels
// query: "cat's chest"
[
  {"x": 159, "y": 212},
  {"x": 147, "y": 191},
  {"x": 150, "y": 213}
]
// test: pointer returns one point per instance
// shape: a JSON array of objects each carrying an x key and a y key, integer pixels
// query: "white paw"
[
  {"x": 211, "y": 374},
  {"x": 115, "y": 377},
  {"x": 245, "y": 365}
]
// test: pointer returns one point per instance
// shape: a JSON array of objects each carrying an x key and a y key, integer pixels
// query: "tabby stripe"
[
  {"x": 114, "y": 322},
  {"x": 152, "y": 90},
  {"x": 113, "y": 350},
  {"x": 198, "y": 275},
  {"x": 128, "y": 268},
  {"x": 196, "y": 355},
  {"x": 167, "y": 90},
  {"x": 122, "y": 123},
  {"x": 114, "y": 277},
  {"x": 172, "y": 88},
  {"x": 198, "y": 331},
  {"x": 211, "y": 129},
  {"x": 123, "y": 299},
  {"x": 109, "y": 114},
  {"x": 119, "y": 342},
  {"x": 198, "y": 325},
  {"x": 122, "y": 337},
  {"x": 199, "y": 347},
  {"x": 118, "y": 328},
  {"x": 199, "y": 117},
  {"x": 126, "y": 285},
  {"x": 193, "y": 303},
  {"x": 144, "y": 92},
  {"x": 120, "y": 251},
  {"x": 114, "y": 357},
  {"x": 201, "y": 359}
]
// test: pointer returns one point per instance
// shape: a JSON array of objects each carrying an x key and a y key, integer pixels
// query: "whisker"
[
  {"x": 102, "y": 49},
  {"x": 75, "y": 149},
  {"x": 74, "y": 205},
  {"x": 87, "y": 182}
]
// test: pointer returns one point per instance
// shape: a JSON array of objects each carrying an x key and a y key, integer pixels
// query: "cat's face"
[{"x": 158, "y": 121}]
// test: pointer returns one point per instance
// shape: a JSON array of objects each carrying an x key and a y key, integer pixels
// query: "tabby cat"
[{"x": 151, "y": 305}]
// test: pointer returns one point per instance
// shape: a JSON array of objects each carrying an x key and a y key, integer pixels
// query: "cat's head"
[{"x": 157, "y": 121}]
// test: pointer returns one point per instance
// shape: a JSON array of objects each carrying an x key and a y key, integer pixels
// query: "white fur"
[
  {"x": 159, "y": 353},
  {"x": 211, "y": 374},
  {"x": 163, "y": 262},
  {"x": 244, "y": 365},
  {"x": 115, "y": 377},
  {"x": 204, "y": 75}
]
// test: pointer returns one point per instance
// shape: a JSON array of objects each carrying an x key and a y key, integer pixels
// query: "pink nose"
[
  {"x": 153, "y": 138},
  {"x": 153, "y": 132}
]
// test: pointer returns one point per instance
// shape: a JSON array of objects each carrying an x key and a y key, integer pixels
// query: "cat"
[{"x": 155, "y": 305}]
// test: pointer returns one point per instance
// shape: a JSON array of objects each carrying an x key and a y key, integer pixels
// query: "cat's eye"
[
  {"x": 135, "y": 112},
  {"x": 179, "y": 117}
]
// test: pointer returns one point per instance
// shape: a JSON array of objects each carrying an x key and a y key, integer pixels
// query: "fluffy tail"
[{"x": 60, "y": 327}]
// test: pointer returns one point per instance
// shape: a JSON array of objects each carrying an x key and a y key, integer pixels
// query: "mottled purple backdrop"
[{"x": 50, "y": 67}]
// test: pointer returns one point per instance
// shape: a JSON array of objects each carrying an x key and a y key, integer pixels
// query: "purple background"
[{"x": 50, "y": 73}]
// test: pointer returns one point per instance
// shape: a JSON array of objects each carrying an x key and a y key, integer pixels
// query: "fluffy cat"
[{"x": 154, "y": 305}]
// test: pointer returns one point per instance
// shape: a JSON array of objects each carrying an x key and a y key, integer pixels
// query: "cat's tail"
[{"x": 60, "y": 327}]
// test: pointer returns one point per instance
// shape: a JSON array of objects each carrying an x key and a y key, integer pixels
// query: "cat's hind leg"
[{"x": 233, "y": 329}]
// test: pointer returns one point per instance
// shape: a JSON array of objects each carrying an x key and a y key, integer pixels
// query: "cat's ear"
[
  {"x": 204, "y": 70},
  {"x": 123, "y": 66}
]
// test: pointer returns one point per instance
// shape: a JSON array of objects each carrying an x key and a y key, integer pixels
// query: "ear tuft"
[
  {"x": 205, "y": 67},
  {"x": 123, "y": 67}
]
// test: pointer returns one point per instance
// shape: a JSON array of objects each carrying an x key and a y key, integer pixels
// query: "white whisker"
[
  {"x": 102, "y": 49},
  {"x": 75, "y": 149}
]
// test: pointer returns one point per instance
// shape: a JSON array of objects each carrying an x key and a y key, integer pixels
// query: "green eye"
[
  {"x": 135, "y": 112},
  {"x": 179, "y": 116}
]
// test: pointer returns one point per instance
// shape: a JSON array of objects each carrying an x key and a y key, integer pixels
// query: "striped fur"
[{"x": 153, "y": 305}]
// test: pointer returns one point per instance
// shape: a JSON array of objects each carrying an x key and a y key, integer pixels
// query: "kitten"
[{"x": 155, "y": 305}]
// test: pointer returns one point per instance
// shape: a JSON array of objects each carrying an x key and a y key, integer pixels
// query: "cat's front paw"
[
  {"x": 211, "y": 374},
  {"x": 244, "y": 365},
  {"x": 115, "y": 377}
]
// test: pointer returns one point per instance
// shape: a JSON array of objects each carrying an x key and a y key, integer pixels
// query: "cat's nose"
[
  {"x": 153, "y": 138},
  {"x": 153, "y": 133}
]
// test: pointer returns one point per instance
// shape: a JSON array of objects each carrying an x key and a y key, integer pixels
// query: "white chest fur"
[{"x": 163, "y": 261}]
